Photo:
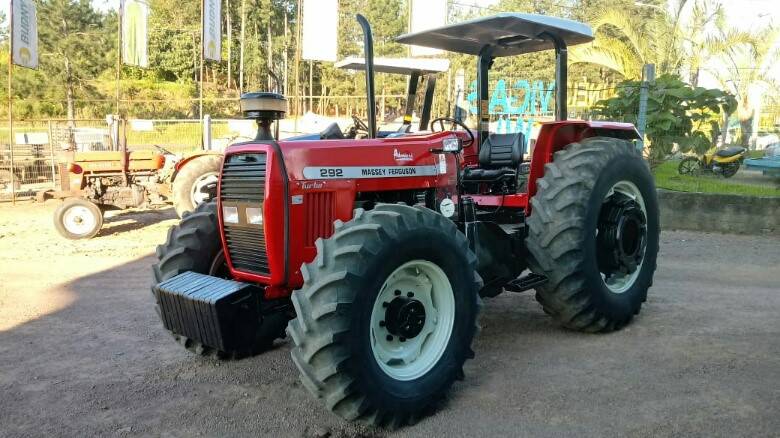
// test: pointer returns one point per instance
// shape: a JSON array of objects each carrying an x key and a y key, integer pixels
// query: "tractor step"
[
  {"x": 221, "y": 314},
  {"x": 523, "y": 284}
]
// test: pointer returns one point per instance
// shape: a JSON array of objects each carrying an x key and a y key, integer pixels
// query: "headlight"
[
  {"x": 254, "y": 215},
  {"x": 230, "y": 214},
  {"x": 451, "y": 145}
]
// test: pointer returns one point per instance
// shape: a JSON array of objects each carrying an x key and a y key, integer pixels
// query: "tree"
[
  {"x": 74, "y": 48},
  {"x": 745, "y": 64},
  {"x": 626, "y": 41}
]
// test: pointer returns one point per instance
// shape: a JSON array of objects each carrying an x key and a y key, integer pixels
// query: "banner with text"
[
  {"x": 25, "y": 33},
  {"x": 427, "y": 14},
  {"x": 212, "y": 30},
  {"x": 320, "y": 24},
  {"x": 135, "y": 22}
]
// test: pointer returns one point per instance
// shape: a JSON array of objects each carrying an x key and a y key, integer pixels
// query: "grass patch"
[{"x": 666, "y": 177}]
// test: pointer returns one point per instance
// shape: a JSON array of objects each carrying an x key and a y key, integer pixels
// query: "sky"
[
  {"x": 742, "y": 14},
  {"x": 745, "y": 14}
]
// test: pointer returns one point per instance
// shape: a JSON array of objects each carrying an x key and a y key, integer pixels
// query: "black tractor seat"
[
  {"x": 332, "y": 132},
  {"x": 730, "y": 151},
  {"x": 499, "y": 157}
]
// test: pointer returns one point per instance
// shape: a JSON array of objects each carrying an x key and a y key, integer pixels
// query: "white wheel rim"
[
  {"x": 618, "y": 283},
  {"x": 198, "y": 195},
  {"x": 78, "y": 220},
  {"x": 414, "y": 357}
]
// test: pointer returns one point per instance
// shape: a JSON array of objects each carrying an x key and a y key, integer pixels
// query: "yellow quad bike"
[{"x": 723, "y": 162}]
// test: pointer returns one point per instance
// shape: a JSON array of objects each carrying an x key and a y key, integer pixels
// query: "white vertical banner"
[
  {"x": 135, "y": 24},
  {"x": 212, "y": 30},
  {"x": 427, "y": 14},
  {"x": 24, "y": 27},
  {"x": 319, "y": 33}
]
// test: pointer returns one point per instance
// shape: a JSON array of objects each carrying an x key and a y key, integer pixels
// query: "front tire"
[
  {"x": 194, "y": 245},
  {"x": 593, "y": 231},
  {"x": 78, "y": 218},
  {"x": 387, "y": 314},
  {"x": 689, "y": 166},
  {"x": 195, "y": 182}
]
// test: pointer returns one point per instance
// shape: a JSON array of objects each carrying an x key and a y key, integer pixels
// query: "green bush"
[{"x": 677, "y": 114}]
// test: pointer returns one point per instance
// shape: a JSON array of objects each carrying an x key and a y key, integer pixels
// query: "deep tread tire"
[
  {"x": 562, "y": 234},
  {"x": 193, "y": 245},
  {"x": 331, "y": 346},
  {"x": 187, "y": 176},
  {"x": 67, "y": 204}
]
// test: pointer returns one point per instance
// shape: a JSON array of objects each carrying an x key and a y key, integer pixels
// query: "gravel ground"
[{"x": 82, "y": 352}]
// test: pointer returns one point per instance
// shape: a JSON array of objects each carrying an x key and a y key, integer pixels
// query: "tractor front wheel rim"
[
  {"x": 78, "y": 220},
  {"x": 412, "y": 320},
  {"x": 200, "y": 193}
]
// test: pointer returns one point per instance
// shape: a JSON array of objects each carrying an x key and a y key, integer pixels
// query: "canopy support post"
[
  {"x": 484, "y": 62},
  {"x": 368, "y": 48},
  {"x": 561, "y": 75}
]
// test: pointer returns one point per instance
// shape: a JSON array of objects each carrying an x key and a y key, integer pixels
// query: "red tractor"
[{"x": 374, "y": 253}]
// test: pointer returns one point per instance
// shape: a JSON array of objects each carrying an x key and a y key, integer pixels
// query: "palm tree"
[
  {"x": 746, "y": 62},
  {"x": 626, "y": 41}
]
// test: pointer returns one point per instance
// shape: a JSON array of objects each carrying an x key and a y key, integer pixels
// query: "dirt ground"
[{"x": 82, "y": 352}]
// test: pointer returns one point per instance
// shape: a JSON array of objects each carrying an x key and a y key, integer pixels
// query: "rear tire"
[
  {"x": 197, "y": 174},
  {"x": 77, "y": 218},
  {"x": 342, "y": 343},
  {"x": 194, "y": 245},
  {"x": 576, "y": 216},
  {"x": 730, "y": 169}
]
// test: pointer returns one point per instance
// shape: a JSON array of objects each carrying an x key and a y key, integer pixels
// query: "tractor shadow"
[
  {"x": 106, "y": 354},
  {"x": 121, "y": 221}
]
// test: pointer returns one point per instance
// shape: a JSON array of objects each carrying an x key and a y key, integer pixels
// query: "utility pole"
[
  {"x": 200, "y": 88},
  {"x": 648, "y": 75},
  {"x": 297, "y": 64},
  {"x": 270, "y": 56},
  {"x": 11, "y": 99},
  {"x": 241, "y": 55},
  {"x": 230, "y": 44},
  {"x": 119, "y": 56},
  {"x": 284, "y": 52}
]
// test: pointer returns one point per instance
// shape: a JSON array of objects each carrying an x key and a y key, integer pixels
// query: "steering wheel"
[
  {"x": 454, "y": 123},
  {"x": 359, "y": 124}
]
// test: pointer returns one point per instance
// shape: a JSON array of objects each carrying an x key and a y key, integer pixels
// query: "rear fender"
[
  {"x": 181, "y": 163},
  {"x": 555, "y": 136}
]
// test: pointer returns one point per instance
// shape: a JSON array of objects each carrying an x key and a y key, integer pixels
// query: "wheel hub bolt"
[
  {"x": 389, "y": 337},
  {"x": 410, "y": 294}
]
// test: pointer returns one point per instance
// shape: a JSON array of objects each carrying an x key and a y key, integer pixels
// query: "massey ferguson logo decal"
[
  {"x": 357, "y": 172},
  {"x": 402, "y": 156}
]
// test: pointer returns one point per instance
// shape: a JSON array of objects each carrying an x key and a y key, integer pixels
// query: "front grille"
[
  {"x": 242, "y": 186},
  {"x": 246, "y": 247},
  {"x": 320, "y": 214},
  {"x": 243, "y": 178}
]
